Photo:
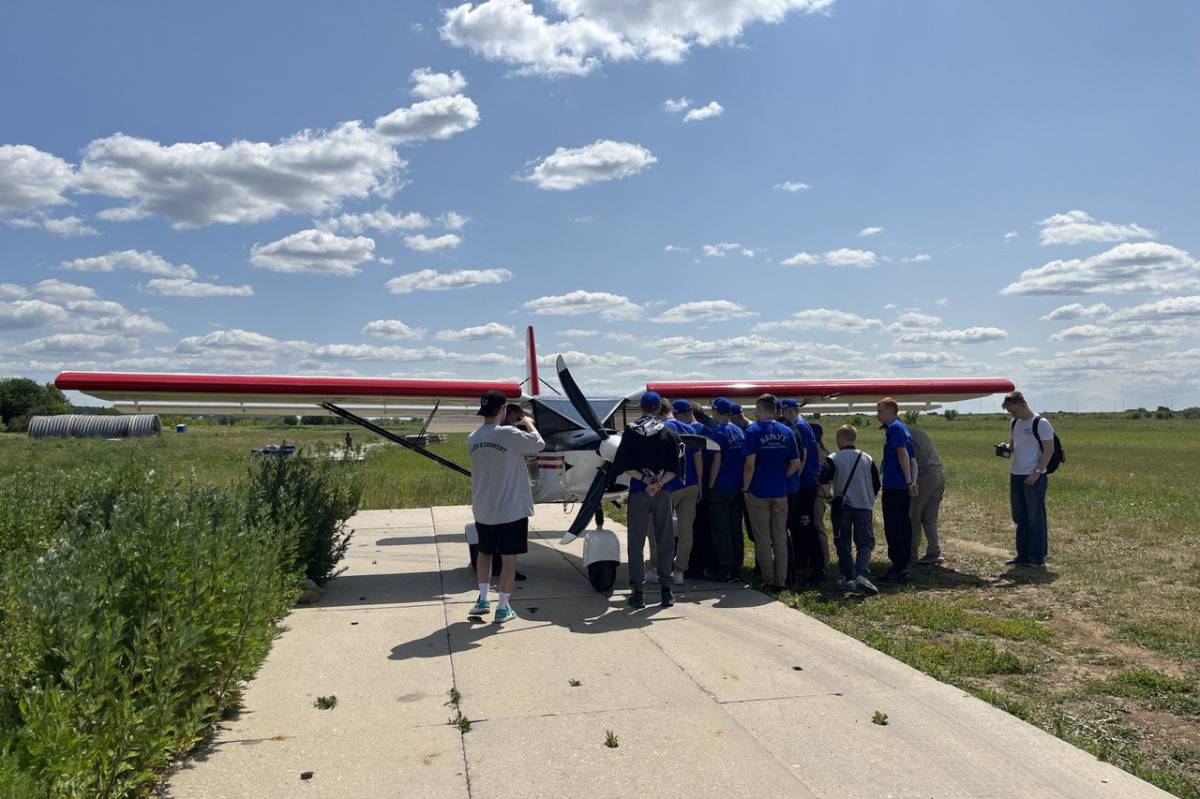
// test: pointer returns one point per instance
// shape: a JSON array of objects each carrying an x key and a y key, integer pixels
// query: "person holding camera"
[
  {"x": 501, "y": 497},
  {"x": 1030, "y": 446},
  {"x": 850, "y": 478}
]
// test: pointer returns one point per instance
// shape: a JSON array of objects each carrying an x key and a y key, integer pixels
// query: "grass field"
[{"x": 1101, "y": 649}]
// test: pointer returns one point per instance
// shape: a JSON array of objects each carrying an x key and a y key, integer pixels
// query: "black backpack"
[{"x": 1059, "y": 457}]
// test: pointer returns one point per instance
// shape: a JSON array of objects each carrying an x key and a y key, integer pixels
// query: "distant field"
[{"x": 1103, "y": 649}]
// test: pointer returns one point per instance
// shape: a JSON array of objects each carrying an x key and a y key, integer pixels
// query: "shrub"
[
  {"x": 912, "y": 417},
  {"x": 950, "y": 414},
  {"x": 857, "y": 420}
]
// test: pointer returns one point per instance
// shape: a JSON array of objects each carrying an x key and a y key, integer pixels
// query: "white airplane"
[{"x": 581, "y": 433}]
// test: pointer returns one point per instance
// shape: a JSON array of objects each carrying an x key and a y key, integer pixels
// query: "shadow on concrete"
[{"x": 394, "y": 588}]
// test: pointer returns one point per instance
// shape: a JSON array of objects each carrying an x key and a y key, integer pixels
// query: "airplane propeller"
[{"x": 595, "y": 493}]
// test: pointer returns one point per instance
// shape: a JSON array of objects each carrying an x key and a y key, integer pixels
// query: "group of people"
[{"x": 775, "y": 473}]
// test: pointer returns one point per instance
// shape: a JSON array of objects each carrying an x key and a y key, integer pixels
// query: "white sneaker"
[
  {"x": 847, "y": 585},
  {"x": 677, "y": 577},
  {"x": 866, "y": 585}
]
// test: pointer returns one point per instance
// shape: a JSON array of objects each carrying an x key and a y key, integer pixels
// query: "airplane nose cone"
[{"x": 608, "y": 447}]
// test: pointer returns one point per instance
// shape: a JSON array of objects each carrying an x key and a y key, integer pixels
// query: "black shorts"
[{"x": 510, "y": 538}]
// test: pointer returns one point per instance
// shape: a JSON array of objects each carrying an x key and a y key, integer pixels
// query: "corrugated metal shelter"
[{"x": 76, "y": 425}]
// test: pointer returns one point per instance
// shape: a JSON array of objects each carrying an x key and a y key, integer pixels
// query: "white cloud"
[
  {"x": 822, "y": 319},
  {"x": 1010, "y": 235},
  {"x": 432, "y": 280},
  {"x": 869, "y": 231},
  {"x": 67, "y": 226},
  {"x": 674, "y": 248},
  {"x": 591, "y": 32},
  {"x": 1017, "y": 351},
  {"x": 70, "y": 343},
  {"x": 713, "y": 109},
  {"x": 438, "y": 118},
  {"x": 422, "y": 243},
  {"x": 576, "y": 332},
  {"x": 792, "y": 186},
  {"x": 842, "y": 257},
  {"x": 942, "y": 302},
  {"x": 579, "y": 302},
  {"x": 314, "y": 252},
  {"x": 393, "y": 329},
  {"x": 676, "y": 106},
  {"x": 25, "y": 314},
  {"x": 30, "y": 178},
  {"x": 918, "y": 319},
  {"x": 145, "y": 261},
  {"x": 703, "y": 311},
  {"x": 607, "y": 360},
  {"x": 720, "y": 250},
  {"x": 567, "y": 169},
  {"x": 1126, "y": 268},
  {"x": 453, "y": 220},
  {"x": 108, "y": 317},
  {"x": 57, "y": 290},
  {"x": 802, "y": 259},
  {"x": 197, "y": 184},
  {"x": 234, "y": 340},
  {"x": 1111, "y": 332},
  {"x": 185, "y": 287},
  {"x": 429, "y": 84},
  {"x": 491, "y": 330},
  {"x": 970, "y": 335},
  {"x": 918, "y": 258},
  {"x": 1076, "y": 227},
  {"x": 380, "y": 219},
  {"x": 11, "y": 291},
  {"x": 1160, "y": 310},
  {"x": 923, "y": 358},
  {"x": 1077, "y": 311}
]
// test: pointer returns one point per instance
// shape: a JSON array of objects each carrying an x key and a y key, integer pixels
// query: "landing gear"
[
  {"x": 602, "y": 574},
  {"x": 600, "y": 518}
]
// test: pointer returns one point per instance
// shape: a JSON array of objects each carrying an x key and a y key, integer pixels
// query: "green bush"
[
  {"x": 950, "y": 414},
  {"x": 133, "y": 610},
  {"x": 912, "y": 417}
]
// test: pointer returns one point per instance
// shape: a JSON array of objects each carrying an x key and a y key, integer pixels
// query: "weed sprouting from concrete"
[
  {"x": 459, "y": 720},
  {"x": 455, "y": 698},
  {"x": 325, "y": 702},
  {"x": 611, "y": 740},
  {"x": 879, "y": 718},
  {"x": 574, "y": 683}
]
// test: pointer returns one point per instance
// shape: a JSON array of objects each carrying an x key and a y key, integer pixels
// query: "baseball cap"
[
  {"x": 681, "y": 406},
  {"x": 735, "y": 409},
  {"x": 789, "y": 403},
  {"x": 650, "y": 401},
  {"x": 491, "y": 403},
  {"x": 722, "y": 406}
]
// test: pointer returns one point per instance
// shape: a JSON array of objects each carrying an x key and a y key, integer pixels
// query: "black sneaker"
[
  {"x": 520, "y": 577},
  {"x": 668, "y": 598},
  {"x": 636, "y": 600},
  {"x": 1015, "y": 562}
]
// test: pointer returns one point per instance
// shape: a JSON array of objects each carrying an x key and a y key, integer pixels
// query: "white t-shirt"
[
  {"x": 500, "y": 490},
  {"x": 1026, "y": 449}
]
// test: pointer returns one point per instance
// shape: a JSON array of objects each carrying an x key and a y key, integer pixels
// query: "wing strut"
[
  {"x": 425, "y": 427},
  {"x": 390, "y": 436}
]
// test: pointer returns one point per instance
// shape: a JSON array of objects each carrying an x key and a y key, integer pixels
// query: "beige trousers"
[
  {"x": 768, "y": 520},
  {"x": 819, "y": 508},
  {"x": 931, "y": 487}
]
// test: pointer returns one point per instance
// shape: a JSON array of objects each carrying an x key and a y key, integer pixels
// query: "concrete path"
[{"x": 726, "y": 694}]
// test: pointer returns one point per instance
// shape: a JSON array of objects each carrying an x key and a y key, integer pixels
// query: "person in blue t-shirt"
[
  {"x": 899, "y": 487},
  {"x": 724, "y": 485},
  {"x": 802, "y": 500},
  {"x": 685, "y": 490},
  {"x": 772, "y": 456}
]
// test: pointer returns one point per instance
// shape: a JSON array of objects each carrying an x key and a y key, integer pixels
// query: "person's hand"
[
  {"x": 1032, "y": 479},
  {"x": 652, "y": 488},
  {"x": 912, "y": 489}
]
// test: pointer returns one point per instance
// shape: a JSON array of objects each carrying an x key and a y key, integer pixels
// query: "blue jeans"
[
  {"x": 857, "y": 525},
  {"x": 1029, "y": 514}
]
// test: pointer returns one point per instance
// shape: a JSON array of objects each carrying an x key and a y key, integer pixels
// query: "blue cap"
[
  {"x": 650, "y": 401},
  {"x": 789, "y": 403},
  {"x": 681, "y": 405},
  {"x": 723, "y": 406},
  {"x": 735, "y": 409}
]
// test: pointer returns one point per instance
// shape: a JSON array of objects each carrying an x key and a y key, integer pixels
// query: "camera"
[{"x": 1003, "y": 450}]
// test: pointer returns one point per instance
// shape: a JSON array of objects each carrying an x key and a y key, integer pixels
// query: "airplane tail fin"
[{"x": 531, "y": 367}]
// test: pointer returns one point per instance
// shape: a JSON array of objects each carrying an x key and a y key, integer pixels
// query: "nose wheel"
[{"x": 602, "y": 575}]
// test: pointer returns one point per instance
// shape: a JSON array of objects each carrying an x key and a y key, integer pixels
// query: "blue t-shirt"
[
  {"x": 773, "y": 444},
  {"x": 689, "y": 457},
  {"x": 897, "y": 436},
  {"x": 807, "y": 477},
  {"x": 731, "y": 440}
]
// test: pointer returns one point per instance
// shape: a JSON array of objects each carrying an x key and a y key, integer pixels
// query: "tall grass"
[{"x": 134, "y": 606}]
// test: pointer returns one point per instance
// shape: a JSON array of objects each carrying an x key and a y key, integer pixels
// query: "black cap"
[{"x": 491, "y": 403}]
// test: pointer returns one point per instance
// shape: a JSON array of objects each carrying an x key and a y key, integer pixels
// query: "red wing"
[
  {"x": 840, "y": 392},
  {"x": 273, "y": 395}
]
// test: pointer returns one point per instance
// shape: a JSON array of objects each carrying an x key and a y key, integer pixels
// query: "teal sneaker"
[
  {"x": 482, "y": 606},
  {"x": 505, "y": 614}
]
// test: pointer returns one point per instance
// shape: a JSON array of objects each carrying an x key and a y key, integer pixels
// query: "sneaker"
[
  {"x": 866, "y": 585},
  {"x": 898, "y": 578},
  {"x": 481, "y": 608},
  {"x": 677, "y": 577},
  {"x": 504, "y": 614},
  {"x": 930, "y": 559},
  {"x": 1014, "y": 562},
  {"x": 636, "y": 600},
  {"x": 1030, "y": 564},
  {"x": 520, "y": 577},
  {"x": 668, "y": 598},
  {"x": 847, "y": 585}
]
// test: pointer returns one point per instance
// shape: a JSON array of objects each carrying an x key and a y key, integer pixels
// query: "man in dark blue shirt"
[
  {"x": 685, "y": 490},
  {"x": 724, "y": 484},
  {"x": 899, "y": 487},
  {"x": 802, "y": 499},
  {"x": 772, "y": 456}
]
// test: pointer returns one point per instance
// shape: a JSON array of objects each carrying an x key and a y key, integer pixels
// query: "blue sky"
[{"x": 391, "y": 188}]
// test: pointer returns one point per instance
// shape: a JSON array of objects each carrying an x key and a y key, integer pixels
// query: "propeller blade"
[
  {"x": 589, "y": 506},
  {"x": 578, "y": 401}
]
